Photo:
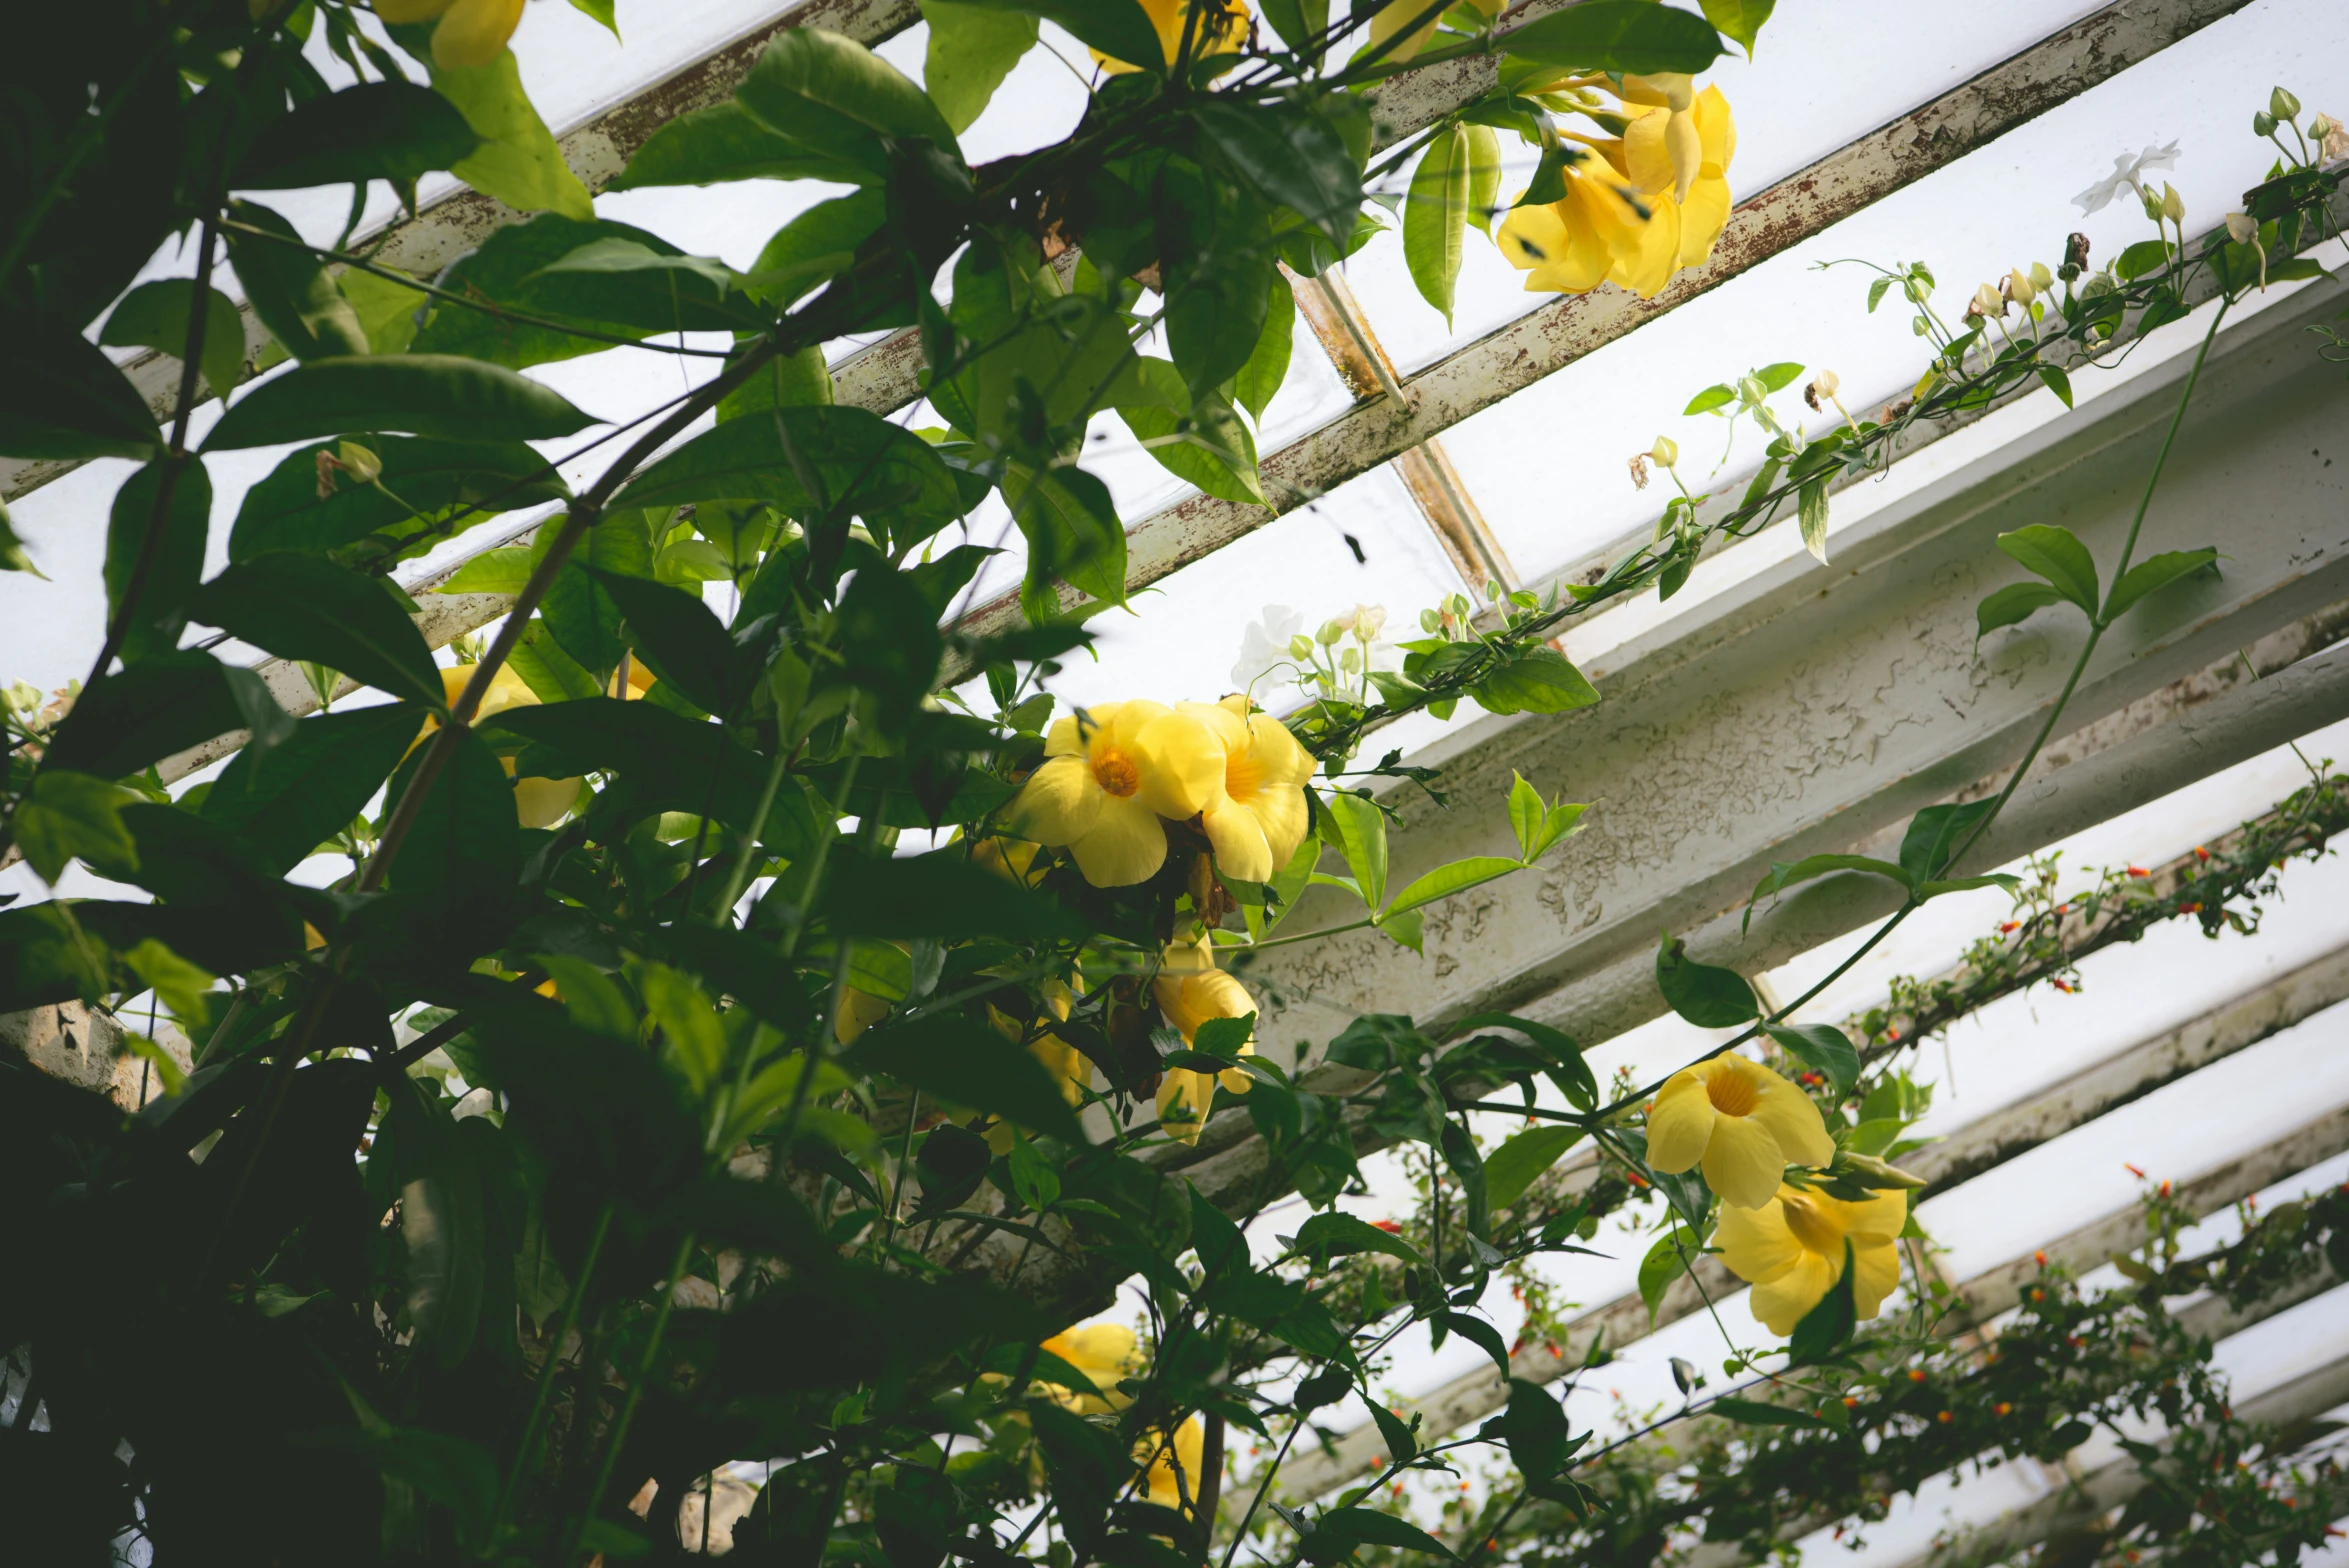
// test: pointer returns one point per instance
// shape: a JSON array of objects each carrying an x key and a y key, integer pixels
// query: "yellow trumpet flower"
[
  {"x": 1110, "y": 773},
  {"x": 1177, "y": 1467},
  {"x": 1791, "y": 1251},
  {"x": 1258, "y": 817},
  {"x": 471, "y": 32},
  {"x": 1105, "y": 1353},
  {"x": 1190, "y": 991},
  {"x": 538, "y": 803},
  {"x": 1223, "y": 24},
  {"x": 1742, "y": 1122}
]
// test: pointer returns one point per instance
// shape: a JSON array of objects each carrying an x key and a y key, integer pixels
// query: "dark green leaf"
[
  {"x": 678, "y": 638},
  {"x": 1784, "y": 874},
  {"x": 502, "y": 276},
  {"x": 69, "y": 816},
  {"x": 1934, "y": 836},
  {"x": 1339, "y": 1234},
  {"x": 1297, "y": 21},
  {"x": 1087, "y": 1469},
  {"x": 2139, "y": 259},
  {"x": 1705, "y": 994},
  {"x": 1121, "y": 32},
  {"x": 1828, "y": 1326},
  {"x": 972, "y": 49},
  {"x": 666, "y": 762},
  {"x": 1268, "y": 364},
  {"x": 1073, "y": 534},
  {"x": 63, "y": 399},
  {"x": 1538, "y": 680},
  {"x": 172, "y": 546},
  {"x": 2057, "y": 382},
  {"x": 1517, "y": 1164},
  {"x": 392, "y": 131},
  {"x": 1618, "y": 35},
  {"x": 939, "y": 895},
  {"x": 813, "y": 246},
  {"x": 2057, "y": 555},
  {"x": 1402, "y": 1444},
  {"x": 287, "y": 800},
  {"x": 1665, "y": 1262},
  {"x": 1480, "y": 1334},
  {"x": 1292, "y": 156},
  {"x": 1740, "y": 19},
  {"x": 290, "y": 290},
  {"x": 422, "y": 394},
  {"x": 583, "y": 618},
  {"x": 966, "y": 1063},
  {"x": 420, "y": 477},
  {"x": 640, "y": 290},
  {"x": 1369, "y": 1527},
  {"x": 1535, "y": 1427},
  {"x": 2155, "y": 573},
  {"x": 465, "y": 851},
  {"x": 825, "y": 90},
  {"x": 305, "y": 607},
  {"x": 134, "y": 718},
  {"x": 1749, "y": 1412},
  {"x": 866, "y": 465},
  {"x": 723, "y": 142},
  {"x": 1821, "y": 1046},
  {"x": 2014, "y": 603},
  {"x": 155, "y": 315}
]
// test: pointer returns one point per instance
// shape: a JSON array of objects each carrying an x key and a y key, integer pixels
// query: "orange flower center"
[
  {"x": 1117, "y": 773},
  {"x": 1732, "y": 1093},
  {"x": 1243, "y": 775},
  {"x": 1813, "y": 1229}
]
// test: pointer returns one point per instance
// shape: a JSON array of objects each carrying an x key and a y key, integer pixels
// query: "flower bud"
[
  {"x": 1666, "y": 452},
  {"x": 1430, "y": 622},
  {"x": 2041, "y": 278},
  {"x": 1369, "y": 621},
  {"x": 2173, "y": 205},
  {"x": 1869, "y": 1171},
  {"x": 1752, "y": 392},
  {"x": 2241, "y": 229},
  {"x": 1350, "y": 660},
  {"x": 2017, "y": 286},
  {"x": 360, "y": 463},
  {"x": 1300, "y": 647},
  {"x": 2320, "y": 128},
  {"x": 1986, "y": 303},
  {"x": 2283, "y": 105},
  {"x": 2263, "y": 123},
  {"x": 1331, "y": 631}
]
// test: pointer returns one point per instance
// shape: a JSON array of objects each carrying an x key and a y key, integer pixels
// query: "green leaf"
[
  {"x": 2014, "y": 603},
  {"x": 1216, "y": 453},
  {"x": 2057, "y": 555},
  {"x": 1484, "y": 176},
  {"x": 1780, "y": 376},
  {"x": 287, "y": 800},
  {"x": 1822, "y": 1047},
  {"x": 2002, "y": 879},
  {"x": 155, "y": 315},
  {"x": 940, "y": 895},
  {"x": 1618, "y": 35},
  {"x": 1517, "y": 1164},
  {"x": 1480, "y": 1334},
  {"x": 679, "y": 638},
  {"x": 644, "y": 290},
  {"x": 1369, "y": 1527},
  {"x": 665, "y": 761},
  {"x": 1362, "y": 838},
  {"x": 174, "y": 565},
  {"x": 2155, "y": 573},
  {"x": 464, "y": 853},
  {"x": 1665, "y": 1262},
  {"x": 2139, "y": 259},
  {"x": 518, "y": 163},
  {"x": 1749, "y": 1412},
  {"x": 1446, "y": 880},
  {"x": 1122, "y": 32},
  {"x": 1073, "y": 534},
  {"x": 1538, "y": 826},
  {"x": 421, "y": 478},
  {"x": 1338, "y": 1234},
  {"x": 580, "y": 614},
  {"x": 602, "y": 11},
  {"x": 1710, "y": 398},
  {"x": 305, "y": 607},
  {"x": 1538, "y": 680},
  {"x": 1784, "y": 874},
  {"x": 544, "y": 667},
  {"x": 1828, "y": 1326},
  {"x": 866, "y": 465},
  {"x": 67, "y": 816},
  {"x": 1401, "y": 1444},
  {"x": 388, "y": 309},
  {"x": 392, "y": 131},
  {"x": 1934, "y": 836},
  {"x": 825, "y": 90},
  {"x": 1740, "y": 19},
  {"x": 1297, "y": 21},
  {"x": 426, "y": 394},
  {"x": 1535, "y": 1427},
  {"x": 64, "y": 399},
  {"x": 1435, "y": 215},
  {"x": 967, "y": 1064},
  {"x": 1292, "y": 155},
  {"x": 1705, "y": 994},
  {"x": 133, "y": 718},
  {"x": 2057, "y": 382},
  {"x": 723, "y": 142},
  {"x": 290, "y": 289},
  {"x": 1269, "y": 365},
  {"x": 812, "y": 247},
  {"x": 972, "y": 49},
  {"x": 1813, "y": 521},
  {"x": 12, "y": 552}
]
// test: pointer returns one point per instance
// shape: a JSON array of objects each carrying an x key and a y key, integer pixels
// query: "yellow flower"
[
  {"x": 1110, "y": 773},
  {"x": 1649, "y": 203},
  {"x": 1742, "y": 1121},
  {"x": 1190, "y": 991},
  {"x": 1222, "y": 27},
  {"x": 471, "y": 32},
  {"x": 1012, "y": 859},
  {"x": 1186, "y": 1456},
  {"x": 1257, "y": 817},
  {"x": 859, "y": 1011},
  {"x": 1104, "y": 1352},
  {"x": 538, "y": 803},
  {"x": 1390, "y": 22},
  {"x": 1791, "y": 1251}
]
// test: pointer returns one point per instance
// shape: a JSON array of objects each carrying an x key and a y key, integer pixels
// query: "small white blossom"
[
  {"x": 2128, "y": 173},
  {"x": 1266, "y": 646}
]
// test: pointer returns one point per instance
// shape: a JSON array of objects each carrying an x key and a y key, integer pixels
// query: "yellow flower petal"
[
  {"x": 1702, "y": 218},
  {"x": 1680, "y": 1124},
  {"x": 858, "y": 1012},
  {"x": 401, "y": 12},
  {"x": 1183, "y": 1100},
  {"x": 1792, "y": 1118},
  {"x": 1059, "y": 804},
  {"x": 1219, "y": 32},
  {"x": 1880, "y": 1218},
  {"x": 1716, "y": 129},
  {"x": 541, "y": 803},
  {"x": 1241, "y": 849},
  {"x": 1182, "y": 764},
  {"x": 474, "y": 32},
  {"x": 1126, "y": 843},
  {"x": 1875, "y": 1275},
  {"x": 1780, "y": 1303},
  {"x": 1743, "y": 1162},
  {"x": 1756, "y": 1244},
  {"x": 1185, "y": 1458}
]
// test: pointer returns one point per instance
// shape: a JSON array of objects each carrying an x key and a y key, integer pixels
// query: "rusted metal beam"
[{"x": 2050, "y": 72}]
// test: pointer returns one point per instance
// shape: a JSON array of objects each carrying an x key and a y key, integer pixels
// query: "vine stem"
[
  {"x": 535, "y": 1427},
  {"x": 644, "y": 1367}
]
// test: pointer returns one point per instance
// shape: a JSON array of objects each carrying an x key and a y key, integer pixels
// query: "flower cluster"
[{"x": 1645, "y": 201}]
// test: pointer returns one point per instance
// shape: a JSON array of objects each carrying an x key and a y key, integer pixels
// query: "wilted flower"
[
  {"x": 1639, "y": 470},
  {"x": 1790, "y": 1249},
  {"x": 2127, "y": 174},
  {"x": 1742, "y": 1122}
]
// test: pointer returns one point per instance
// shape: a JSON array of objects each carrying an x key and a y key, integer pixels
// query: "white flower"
[
  {"x": 1264, "y": 646},
  {"x": 2129, "y": 173}
]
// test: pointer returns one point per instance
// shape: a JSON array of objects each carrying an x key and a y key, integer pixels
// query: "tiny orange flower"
[
  {"x": 2039, "y": 1258},
  {"x": 1916, "y": 1374},
  {"x": 2001, "y": 1408},
  {"x": 1945, "y": 1418}
]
